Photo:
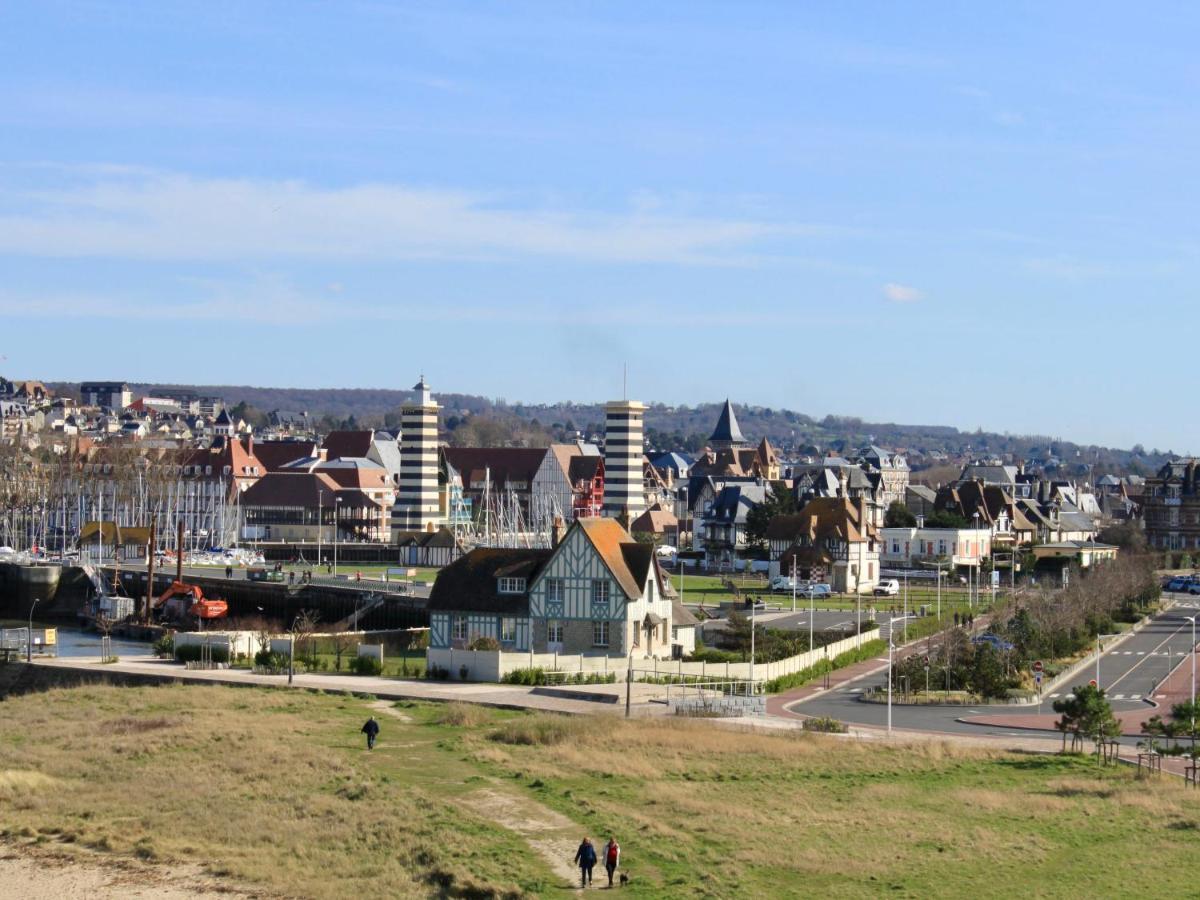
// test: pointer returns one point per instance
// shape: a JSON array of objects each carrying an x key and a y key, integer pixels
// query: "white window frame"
[
  {"x": 458, "y": 628},
  {"x": 554, "y": 631},
  {"x": 508, "y": 630},
  {"x": 601, "y": 633},
  {"x": 600, "y": 590},
  {"x": 510, "y": 585},
  {"x": 555, "y": 590}
]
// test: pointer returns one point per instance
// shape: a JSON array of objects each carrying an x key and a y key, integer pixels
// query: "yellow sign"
[{"x": 51, "y": 636}]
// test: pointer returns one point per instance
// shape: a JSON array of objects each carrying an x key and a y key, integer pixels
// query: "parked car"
[
  {"x": 1194, "y": 587},
  {"x": 1179, "y": 583},
  {"x": 996, "y": 642},
  {"x": 782, "y": 583},
  {"x": 889, "y": 587}
]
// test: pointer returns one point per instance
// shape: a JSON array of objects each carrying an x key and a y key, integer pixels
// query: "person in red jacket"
[{"x": 612, "y": 857}]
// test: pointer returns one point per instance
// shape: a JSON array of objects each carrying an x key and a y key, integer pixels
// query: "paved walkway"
[{"x": 565, "y": 699}]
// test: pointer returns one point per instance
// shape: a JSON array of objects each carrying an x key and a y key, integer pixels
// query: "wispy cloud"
[
  {"x": 179, "y": 217},
  {"x": 900, "y": 293}
]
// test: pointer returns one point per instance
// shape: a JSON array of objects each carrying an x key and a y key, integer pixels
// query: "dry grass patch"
[{"x": 266, "y": 787}]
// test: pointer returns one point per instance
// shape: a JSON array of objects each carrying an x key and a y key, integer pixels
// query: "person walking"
[
  {"x": 585, "y": 858},
  {"x": 612, "y": 857},
  {"x": 371, "y": 730}
]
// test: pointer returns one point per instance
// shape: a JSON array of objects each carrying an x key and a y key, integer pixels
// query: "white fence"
[{"x": 492, "y": 665}]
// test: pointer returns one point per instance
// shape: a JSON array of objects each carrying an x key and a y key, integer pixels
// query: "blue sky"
[{"x": 936, "y": 213}]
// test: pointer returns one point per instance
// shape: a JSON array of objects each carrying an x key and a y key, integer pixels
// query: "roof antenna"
[{"x": 625, "y": 381}]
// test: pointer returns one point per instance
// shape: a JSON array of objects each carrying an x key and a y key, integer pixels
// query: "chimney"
[
  {"x": 557, "y": 532},
  {"x": 862, "y": 514},
  {"x": 323, "y": 454},
  {"x": 920, "y": 521}
]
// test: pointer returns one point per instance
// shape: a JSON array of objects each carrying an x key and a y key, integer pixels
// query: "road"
[{"x": 1128, "y": 673}]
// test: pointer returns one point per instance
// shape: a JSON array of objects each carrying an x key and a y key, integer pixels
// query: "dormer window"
[{"x": 511, "y": 585}]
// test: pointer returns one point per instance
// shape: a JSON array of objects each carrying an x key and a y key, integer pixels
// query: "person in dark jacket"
[
  {"x": 371, "y": 730},
  {"x": 585, "y": 858}
]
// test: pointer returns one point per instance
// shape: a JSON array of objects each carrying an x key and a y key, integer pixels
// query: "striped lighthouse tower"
[
  {"x": 417, "y": 507},
  {"x": 624, "y": 481}
]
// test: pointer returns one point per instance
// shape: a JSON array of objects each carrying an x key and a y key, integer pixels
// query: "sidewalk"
[{"x": 506, "y": 696}]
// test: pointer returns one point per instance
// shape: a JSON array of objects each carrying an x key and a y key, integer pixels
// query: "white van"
[{"x": 889, "y": 587}]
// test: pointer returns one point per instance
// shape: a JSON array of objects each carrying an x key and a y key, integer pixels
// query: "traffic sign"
[
  {"x": 1093, "y": 683},
  {"x": 927, "y": 662},
  {"x": 1037, "y": 678},
  {"x": 1037, "y": 666}
]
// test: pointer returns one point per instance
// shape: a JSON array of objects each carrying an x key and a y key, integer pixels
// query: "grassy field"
[
  {"x": 711, "y": 591},
  {"x": 274, "y": 790}
]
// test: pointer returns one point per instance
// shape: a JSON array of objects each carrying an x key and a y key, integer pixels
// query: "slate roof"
[
  {"x": 274, "y": 455},
  {"x": 302, "y": 489},
  {"x": 471, "y": 582},
  {"x": 507, "y": 464},
  {"x": 727, "y": 430},
  {"x": 339, "y": 444}
]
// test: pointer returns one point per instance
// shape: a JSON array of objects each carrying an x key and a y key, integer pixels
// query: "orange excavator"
[{"x": 181, "y": 600}]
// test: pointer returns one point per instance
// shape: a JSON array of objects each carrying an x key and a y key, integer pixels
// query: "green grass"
[{"x": 274, "y": 790}]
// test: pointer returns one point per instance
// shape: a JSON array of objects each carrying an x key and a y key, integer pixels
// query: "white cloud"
[
  {"x": 178, "y": 217},
  {"x": 899, "y": 293}
]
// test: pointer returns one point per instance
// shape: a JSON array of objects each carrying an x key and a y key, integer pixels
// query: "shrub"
[
  {"x": 193, "y": 652},
  {"x": 164, "y": 647},
  {"x": 366, "y": 665},
  {"x": 525, "y": 676},
  {"x": 267, "y": 659},
  {"x": 540, "y": 729},
  {"x": 461, "y": 715},
  {"x": 824, "y": 724},
  {"x": 484, "y": 643},
  {"x": 437, "y": 673}
]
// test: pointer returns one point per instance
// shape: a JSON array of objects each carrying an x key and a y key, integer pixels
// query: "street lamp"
[
  {"x": 320, "y": 523},
  {"x": 1192, "y": 619},
  {"x": 891, "y": 647},
  {"x": 292, "y": 649},
  {"x": 978, "y": 561},
  {"x": 337, "y": 502},
  {"x": 1098, "y": 638},
  {"x": 29, "y": 633}
]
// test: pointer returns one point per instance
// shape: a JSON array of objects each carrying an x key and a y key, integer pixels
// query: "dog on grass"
[{"x": 624, "y": 879}]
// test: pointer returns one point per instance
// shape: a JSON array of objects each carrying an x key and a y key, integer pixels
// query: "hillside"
[{"x": 667, "y": 427}]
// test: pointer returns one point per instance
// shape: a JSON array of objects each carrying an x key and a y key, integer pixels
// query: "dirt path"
[
  {"x": 28, "y": 874},
  {"x": 551, "y": 834},
  {"x": 386, "y": 706}
]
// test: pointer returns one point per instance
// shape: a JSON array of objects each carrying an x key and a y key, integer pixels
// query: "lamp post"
[
  {"x": 978, "y": 561},
  {"x": 1192, "y": 619},
  {"x": 794, "y": 584},
  {"x": 891, "y": 647},
  {"x": 1098, "y": 638},
  {"x": 29, "y": 633},
  {"x": 337, "y": 502},
  {"x": 752, "y": 608},
  {"x": 320, "y": 523},
  {"x": 812, "y": 613},
  {"x": 292, "y": 650}
]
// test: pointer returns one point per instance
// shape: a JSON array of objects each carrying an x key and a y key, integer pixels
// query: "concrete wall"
[{"x": 485, "y": 665}]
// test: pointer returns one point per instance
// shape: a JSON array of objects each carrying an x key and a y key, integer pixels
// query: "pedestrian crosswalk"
[{"x": 1055, "y": 696}]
